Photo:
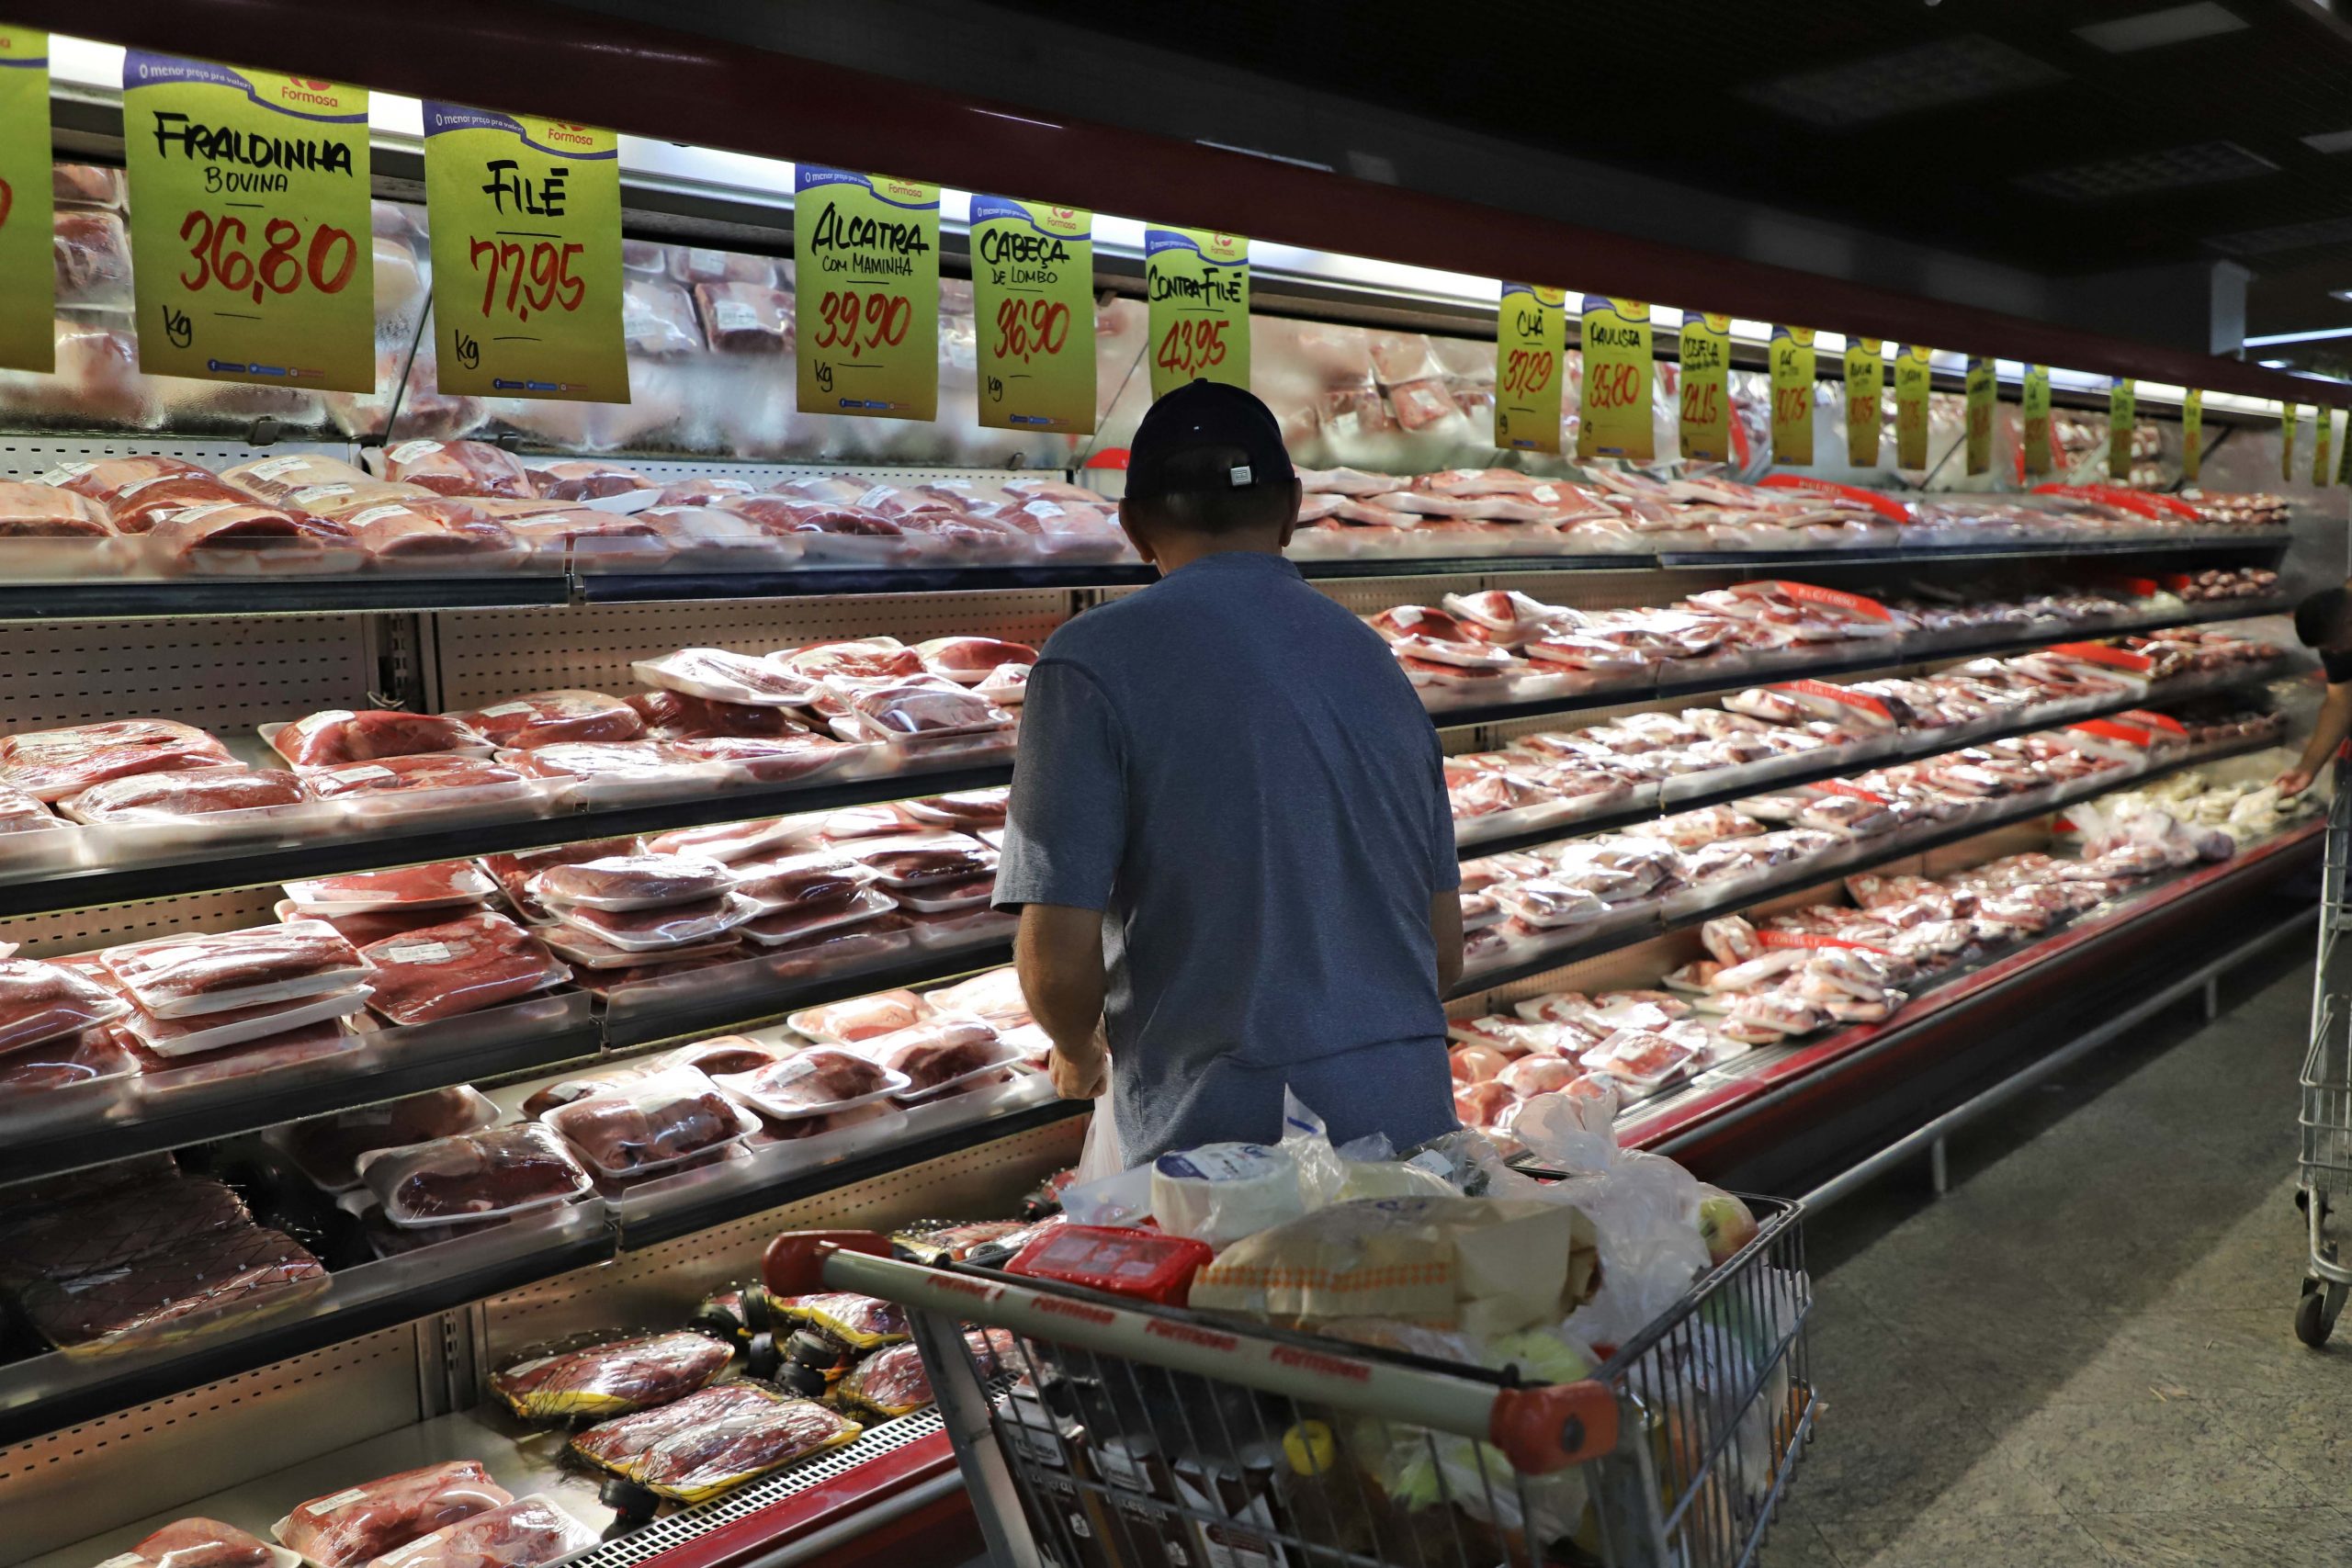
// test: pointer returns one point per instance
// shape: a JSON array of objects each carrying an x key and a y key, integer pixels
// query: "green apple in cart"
[{"x": 1724, "y": 1222}]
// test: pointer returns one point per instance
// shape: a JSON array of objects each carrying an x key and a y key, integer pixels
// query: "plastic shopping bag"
[{"x": 1101, "y": 1158}]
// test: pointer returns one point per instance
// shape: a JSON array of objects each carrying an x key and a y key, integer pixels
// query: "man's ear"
[
  {"x": 1142, "y": 545},
  {"x": 1289, "y": 514}
]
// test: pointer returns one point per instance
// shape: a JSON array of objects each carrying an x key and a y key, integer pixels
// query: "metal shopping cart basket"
[
  {"x": 1097, "y": 1432},
  {"x": 2326, "y": 1164}
]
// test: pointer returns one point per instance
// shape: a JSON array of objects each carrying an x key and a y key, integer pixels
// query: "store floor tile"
[{"x": 2084, "y": 1353}]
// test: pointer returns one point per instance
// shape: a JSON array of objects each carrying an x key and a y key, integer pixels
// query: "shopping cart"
[
  {"x": 2326, "y": 1164},
  {"x": 1096, "y": 1432}
]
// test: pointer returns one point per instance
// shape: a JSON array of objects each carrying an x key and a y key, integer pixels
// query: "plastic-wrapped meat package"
[
  {"x": 200, "y": 1542},
  {"x": 965, "y": 812},
  {"x": 969, "y": 660},
  {"x": 282, "y": 479},
  {"x": 524, "y": 1533},
  {"x": 631, "y": 881},
  {"x": 513, "y": 871},
  {"x": 106, "y": 479},
  {"x": 93, "y": 259},
  {"x": 941, "y": 1051},
  {"x": 600, "y": 541},
  {"x": 474, "y": 1176},
  {"x": 657, "y": 319},
  {"x": 459, "y": 468},
  {"x": 463, "y": 965},
  {"x": 919, "y": 708},
  {"x": 815, "y": 1082},
  {"x": 345, "y": 1528},
  {"x": 175, "y": 796},
  {"x": 138, "y": 506},
  {"x": 173, "y": 1037},
  {"x": 745, "y": 318},
  {"x": 107, "y": 1231},
  {"x": 691, "y": 265},
  {"x": 29, "y": 510},
  {"x": 709, "y": 1441},
  {"x": 810, "y": 879},
  {"x": 587, "y": 478},
  {"x": 664, "y": 926},
  {"x": 922, "y": 860},
  {"x": 709, "y": 533},
  {"x": 225, "y": 537},
  {"x": 425, "y": 535},
  {"x": 651, "y": 1122},
  {"x": 719, "y": 675},
  {"x": 873, "y": 659},
  {"x": 341, "y": 735},
  {"x": 674, "y": 715},
  {"x": 543, "y": 718},
  {"x": 826, "y": 530},
  {"x": 391, "y": 787},
  {"x": 734, "y": 841},
  {"x": 86, "y": 184},
  {"x": 766, "y": 758},
  {"x": 613, "y": 768},
  {"x": 327, "y": 1148},
  {"x": 888, "y": 1384},
  {"x": 410, "y": 886},
  {"x": 373, "y": 925},
  {"x": 339, "y": 499},
  {"x": 182, "y": 976},
  {"x": 704, "y": 492},
  {"x": 598, "y": 1382},
  {"x": 786, "y": 925},
  {"x": 28, "y": 1077},
  {"x": 994, "y": 998},
  {"x": 173, "y": 1292},
  {"x": 50, "y": 764},
  {"x": 611, "y": 965}
]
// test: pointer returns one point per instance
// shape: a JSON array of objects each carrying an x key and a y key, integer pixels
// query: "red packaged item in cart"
[
  {"x": 1145, "y": 1265},
  {"x": 463, "y": 965},
  {"x": 341, "y": 735},
  {"x": 526, "y": 1532},
  {"x": 181, "y": 977},
  {"x": 611, "y": 1377},
  {"x": 200, "y": 1543},
  {"x": 474, "y": 1176},
  {"x": 459, "y": 468},
  {"x": 706, "y": 1442},
  {"x": 542, "y": 718},
  {"x": 358, "y": 1524},
  {"x": 40, "y": 1001},
  {"x": 173, "y": 1292},
  {"x": 50, "y": 764}
]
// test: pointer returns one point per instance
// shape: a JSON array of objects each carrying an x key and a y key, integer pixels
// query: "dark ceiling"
[{"x": 1986, "y": 126}]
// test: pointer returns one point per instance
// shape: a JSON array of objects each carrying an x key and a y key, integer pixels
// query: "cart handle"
[{"x": 1539, "y": 1429}]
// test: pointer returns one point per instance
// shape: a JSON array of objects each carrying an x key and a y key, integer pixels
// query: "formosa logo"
[
  {"x": 905, "y": 190},
  {"x": 306, "y": 90},
  {"x": 1062, "y": 214},
  {"x": 577, "y": 135}
]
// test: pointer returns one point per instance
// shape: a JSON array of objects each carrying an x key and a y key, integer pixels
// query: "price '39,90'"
[
  {"x": 1192, "y": 344},
  {"x": 218, "y": 247},
  {"x": 857, "y": 322},
  {"x": 537, "y": 276}
]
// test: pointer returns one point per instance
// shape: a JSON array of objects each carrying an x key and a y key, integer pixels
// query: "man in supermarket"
[
  {"x": 2324, "y": 621},
  {"x": 1229, "y": 839}
]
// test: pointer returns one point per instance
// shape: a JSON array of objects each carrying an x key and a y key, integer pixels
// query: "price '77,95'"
[
  {"x": 537, "y": 276},
  {"x": 218, "y": 248}
]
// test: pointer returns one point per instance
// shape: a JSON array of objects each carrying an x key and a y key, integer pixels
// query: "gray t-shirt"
[{"x": 1235, "y": 771}]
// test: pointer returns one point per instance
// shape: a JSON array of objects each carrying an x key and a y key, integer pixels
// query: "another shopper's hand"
[
  {"x": 1080, "y": 1077},
  {"x": 2294, "y": 781}
]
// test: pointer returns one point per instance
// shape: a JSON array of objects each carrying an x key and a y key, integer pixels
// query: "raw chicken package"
[
  {"x": 668, "y": 926},
  {"x": 39, "y": 1002},
  {"x": 524, "y": 1533},
  {"x": 459, "y": 468},
  {"x": 612, "y": 1378},
  {"x": 181, "y": 977},
  {"x": 358, "y": 1524},
  {"x": 543, "y": 718},
  {"x": 51, "y": 765},
  {"x": 706, "y": 1442},
  {"x": 340, "y": 735},
  {"x": 940, "y": 1054},
  {"x": 327, "y": 1148},
  {"x": 662, "y": 1118},
  {"x": 173, "y": 1292},
  {"x": 476, "y": 961},
  {"x": 861, "y": 1018},
  {"x": 815, "y": 1082},
  {"x": 409, "y": 888},
  {"x": 631, "y": 881},
  {"x": 474, "y": 1176},
  {"x": 200, "y": 1542},
  {"x": 153, "y": 798}
]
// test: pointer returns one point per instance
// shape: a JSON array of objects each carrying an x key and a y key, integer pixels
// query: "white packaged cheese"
[{"x": 1220, "y": 1192}]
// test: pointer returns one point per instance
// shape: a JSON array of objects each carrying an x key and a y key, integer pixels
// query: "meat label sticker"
[
  {"x": 526, "y": 214},
  {"x": 1705, "y": 372},
  {"x": 2288, "y": 415},
  {"x": 2192, "y": 436},
  {"x": 1981, "y": 390},
  {"x": 1615, "y": 412},
  {"x": 250, "y": 236},
  {"x": 868, "y": 249},
  {"x": 1791, "y": 357},
  {"x": 1865, "y": 400},
  {"x": 1914, "y": 380},
  {"x": 1198, "y": 283},
  {"x": 1810, "y": 593},
  {"x": 2122, "y": 413},
  {"x": 28, "y": 272},
  {"x": 1032, "y": 293},
  {"x": 2037, "y": 420},
  {"x": 1531, "y": 342},
  {"x": 2323, "y": 441}
]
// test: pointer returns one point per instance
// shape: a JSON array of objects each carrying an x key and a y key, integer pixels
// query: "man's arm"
[
  {"x": 1058, "y": 957},
  {"x": 1445, "y": 929},
  {"x": 2335, "y": 721}
]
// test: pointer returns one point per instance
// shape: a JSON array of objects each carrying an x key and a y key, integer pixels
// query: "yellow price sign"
[
  {"x": 526, "y": 214},
  {"x": 1706, "y": 366},
  {"x": 2192, "y": 436},
  {"x": 1531, "y": 342},
  {"x": 2289, "y": 414},
  {"x": 1032, "y": 293},
  {"x": 2037, "y": 419},
  {"x": 2122, "y": 414},
  {"x": 1865, "y": 400},
  {"x": 1615, "y": 417},
  {"x": 1982, "y": 391},
  {"x": 251, "y": 259},
  {"x": 867, "y": 247},
  {"x": 27, "y": 268},
  {"x": 1791, "y": 357},
  {"x": 1198, "y": 285},
  {"x": 1914, "y": 380},
  {"x": 2322, "y": 439}
]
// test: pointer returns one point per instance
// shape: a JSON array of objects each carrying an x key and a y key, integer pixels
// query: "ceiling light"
[
  {"x": 1880, "y": 86},
  {"x": 2274, "y": 363},
  {"x": 2340, "y": 294},
  {"x": 2202, "y": 162},
  {"x": 2149, "y": 30},
  {"x": 2330, "y": 142},
  {"x": 2268, "y": 338}
]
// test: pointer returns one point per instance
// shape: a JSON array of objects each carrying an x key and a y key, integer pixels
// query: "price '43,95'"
[
  {"x": 219, "y": 253},
  {"x": 537, "y": 276},
  {"x": 1191, "y": 345},
  {"x": 857, "y": 322}
]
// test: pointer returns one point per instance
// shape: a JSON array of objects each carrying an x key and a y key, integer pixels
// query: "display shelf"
[
  {"x": 2264, "y": 538},
  {"x": 86, "y": 599},
  {"x": 697, "y": 1019}
]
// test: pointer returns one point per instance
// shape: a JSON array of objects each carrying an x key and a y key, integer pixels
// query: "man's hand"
[
  {"x": 2294, "y": 781},
  {"x": 1082, "y": 1076}
]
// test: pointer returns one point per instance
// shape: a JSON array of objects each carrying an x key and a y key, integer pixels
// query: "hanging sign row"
[{"x": 252, "y": 262}]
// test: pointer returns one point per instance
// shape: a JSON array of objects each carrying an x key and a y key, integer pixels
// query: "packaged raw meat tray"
[
  {"x": 768, "y": 759},
  {"x": 243, "y": 540},
  {"x": 651, "y": 1123},
  {"x": 706, "y": 1442},
  {"x": 809, "y": 879},
  {"x": 50, "y": 764},
  {"x": 50, "y": 1080},
  {"x": 180, "y": 976},
  {"x": 327, "y": 1148},
  {"x": 542, "y": 718},
  {"x": 611, "y": 1377},
  {"x": 107, "y": 1231},
  {"x": 340, "y": 735},
  {"x": 918, "y": 860},
  {"x": 173, "y": 1292},
  {"x": 459, "y": 468},
  {"x": 433, "y": 785},
  {"x": 409, "y": 888},
  {"x": 203, "y": 1543},
  {"x": 670, "y": 926},
  {"x": 40, "y": 1001},
  {"x": 358, "y": 1524},
  {"x": 631, "y": 881},
  {"x": 513, "y": 871},
  {"x": 524, "y": 1533},
  {"x": 719, "y": 676},
  {"x": 816, "y": 1082},
  {"x": 476, "y": 961},
  {"x": 474, "y": 1176},
  {"x": 175, "y": 797},
  {"x": 861, "y": 1018},
  {"x": 790, "y": 923},
  {"x": 171, "y": 1037},
  {"x": 940, "y": 1054},
  {"x": 604, "y": 773}
]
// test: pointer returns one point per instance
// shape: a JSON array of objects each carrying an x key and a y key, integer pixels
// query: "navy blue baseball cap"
[{"x": 1205, "y": 437}]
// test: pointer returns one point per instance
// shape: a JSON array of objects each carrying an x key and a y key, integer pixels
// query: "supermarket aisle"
[{"x": 2084, "y": 1354}]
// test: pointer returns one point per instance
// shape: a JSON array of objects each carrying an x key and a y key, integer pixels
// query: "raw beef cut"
[
  {"x": 68, "y": 1062},
  {"x": 969, "y": 811},
  {"x": 162, "y": 1075},
  {"x": 395, "y": 786},
  {"x": 474, "y": 1176},
  {"x": 921, "y": 708},
  {"x": 670, "y": 925},
  {"x": 224, "y": 536},
  {"x": 374, "y": 925},
  {"x": 624, "y": 764},
  {"x": 459, "y": 468},
  {"x": 918, "y": 860},
  {"x": 37, "y": 510},
  {"x": 106, "y": 479},
  {"x": 821, "y": 1079},
  {"x": 727, "y": 1054},
  {"x": 691, "y": 264},
  {"x": 513, "y": 871},
  {"x": 767, "y": 758},
  {"x": 239, "y": 1272},
  {"x": 178, "y": 977},
  {"x": 600, "y": 541},
  {"x": 328, "y": 1148},
  {"x": 654, "y": 1121},
  {"x": 202, "y": 1543},
  {"x": 543, "y": 718},
  {"x": 657, "y": 319},
  {"x": 891, "y": 1382},
  {"x": 995, "y": 997},
  {"x": 631, "y": 881},
  {"x": 586, "y": 478},
  {"x": 86, "y": 184},
  {"x": 790, "y": 923},
  {"x": 527, "y": 1532},
  {"x": 136, "y": 510},
  {"x": 340, "y": 735},
  {"x": 612, "y": 1378},
  {"x": 812, "y": 879},
  {"x": 862, "y": 1018},
  {"x": 344, "y": 1529},
  {"x": 92, "y": 257},
  {"x": 745, "y": 318},
  {"x": 283, "y": 478},
  {"x": 826, "y": 531},
  {"x": 428, "y": 534},
  {"x": 50, "y": 764},
  {"x": 969, "y": 660},
  {"x": 721, "y": 676},
  {"x": 108, "y": 1231},
  {"x": 709, "y": 1441},
  {"x": 935, "y": 1055},
  {"x": 704, "y": 493},
  {"x": 674, "y": 715},
  {"x": 857, "y": 658},
  {"x": 463, "y": 965},
  {"x": 171, "y": 797},
  {"x": 355, "y": 892}
]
